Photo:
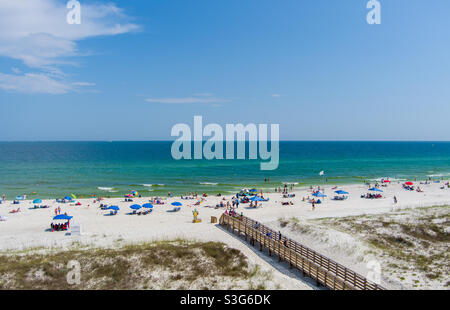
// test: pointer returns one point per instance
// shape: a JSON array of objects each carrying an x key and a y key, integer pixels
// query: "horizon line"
[{"x": 288, "y": 140}]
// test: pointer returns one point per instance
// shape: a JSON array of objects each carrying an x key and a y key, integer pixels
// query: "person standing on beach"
[
  {"x": 395, "y": 199},
  {"x": 3, "y": 197},
  {"x": 313, "y": 206}
]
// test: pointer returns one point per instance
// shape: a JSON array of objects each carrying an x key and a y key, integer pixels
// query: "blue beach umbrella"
[
  {"x": 67, "y": 198},
  {"x": 37, "y": 201},
  {"x": 177, "y": 204},
  {"x": 257, "y": 198},
  {"x": 62, "y": 217},
  {"x": 114, "y": 208},
  {"x": 19, "y": 197},
  {"x": 341, "y": 192},
  {"x": 252, "y": 190},
  {"x": 147, "y": 205},
  {"x": 319, "y": 194},
  {"x": 135, "y": 207},
  {"x": 374, "y": 189}
]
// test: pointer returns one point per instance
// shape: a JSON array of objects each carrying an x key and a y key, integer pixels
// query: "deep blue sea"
[{"x": 56, "y": 169}]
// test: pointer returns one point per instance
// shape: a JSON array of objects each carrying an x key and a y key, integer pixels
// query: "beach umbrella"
[
  {"x": 374, "y": 189},
  {"x": 114, "y": 208},
  {"x": 341, "y": 192},
  {"x": 386, "y": 181},
  {"x": 62, "y": 217},
  {"x": 147, "y": 205},
  {"x": 409, "y": 183},
  {"x": 135, "y": 207},
  {"x": 19, "y": 197},
  {"x": 37, "y": 201},
  {"x": 177, "y": 204},
  {"x": 257, "y": 198},
  {"x": 73, "y": 196},
  {"x": 253, "y": 190},
  {"x": 319, "y": 194},
  {"x": 129, "y": 195},
  {"x": 67, "y": 198}
]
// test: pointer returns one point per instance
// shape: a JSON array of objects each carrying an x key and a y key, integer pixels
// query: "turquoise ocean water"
[{"x": 56, "y": 169}]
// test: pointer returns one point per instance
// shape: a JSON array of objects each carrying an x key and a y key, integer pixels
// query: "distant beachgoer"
[
  {"x": 4, "y": 197},
  {"x": 313, "y": 206},
  {"x": 395, "y": 199}
]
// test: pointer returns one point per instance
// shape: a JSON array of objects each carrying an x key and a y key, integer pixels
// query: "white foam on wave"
[
  {"x": 208, "y": 183},
  {"x": 147, "y": 185},
  {"x": 107, "y": 189}
]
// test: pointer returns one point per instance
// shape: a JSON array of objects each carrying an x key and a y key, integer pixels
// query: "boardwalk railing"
[{"x": 318, "y": 267}]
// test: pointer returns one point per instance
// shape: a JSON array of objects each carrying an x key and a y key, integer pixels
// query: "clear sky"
[{"x": 133, "y": 69}]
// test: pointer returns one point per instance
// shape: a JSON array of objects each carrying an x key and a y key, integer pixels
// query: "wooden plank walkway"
[{"x": 323, "y": 270}]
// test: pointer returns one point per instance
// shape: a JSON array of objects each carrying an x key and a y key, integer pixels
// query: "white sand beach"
[{"x": 28, "y": 228}]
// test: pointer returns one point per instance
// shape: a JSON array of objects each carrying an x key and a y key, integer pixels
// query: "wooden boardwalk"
[{"x": 323, "y": 270}]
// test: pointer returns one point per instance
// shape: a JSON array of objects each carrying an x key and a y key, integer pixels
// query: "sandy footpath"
[{"x": 27, "y": 229}]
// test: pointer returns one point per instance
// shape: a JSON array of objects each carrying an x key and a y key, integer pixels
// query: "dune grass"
[{"x": 175, "y": 264}]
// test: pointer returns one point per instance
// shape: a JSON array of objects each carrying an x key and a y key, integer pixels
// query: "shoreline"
[
  {"x": 27, "y": 229},
  {"x": 160, "y": 192}
]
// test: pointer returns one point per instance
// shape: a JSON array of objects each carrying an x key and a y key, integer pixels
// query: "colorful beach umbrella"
[
  {"x": 114, "y": 208},
  {"x": 374, "y": 189},
  {"x": 73, "y": 196},
  {"x": 62, "y": 217},
  {"x": 409, "y": 183},
  {"x": 319, "y": 194},
  {"x": 67, "y": 198},
  {"x": 177, "y": 204},
  {"x": 341, "y": 192},
  {"x": 386, "y": 181},
  {"x": 135, "y": 207},
  {"x": 257, "y": 198},
  {"x": 37, "y": 201},
  {"x": 147, "y": 205}
]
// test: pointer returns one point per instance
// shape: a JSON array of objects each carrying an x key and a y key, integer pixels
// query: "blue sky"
[{"x": 133, "y": 69}]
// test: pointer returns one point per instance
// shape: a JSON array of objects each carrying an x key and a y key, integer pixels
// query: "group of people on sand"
[
  {"x": 156, "y": 200},
  {"x": 223, "y": 205},
  {"x": 145, "y": 212},
  {"x": 372, "y": 196},
  {"x": 60, "y": 227},
  {"x": 191, "y": 195},
  {"x": 285, "y": 189}
]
